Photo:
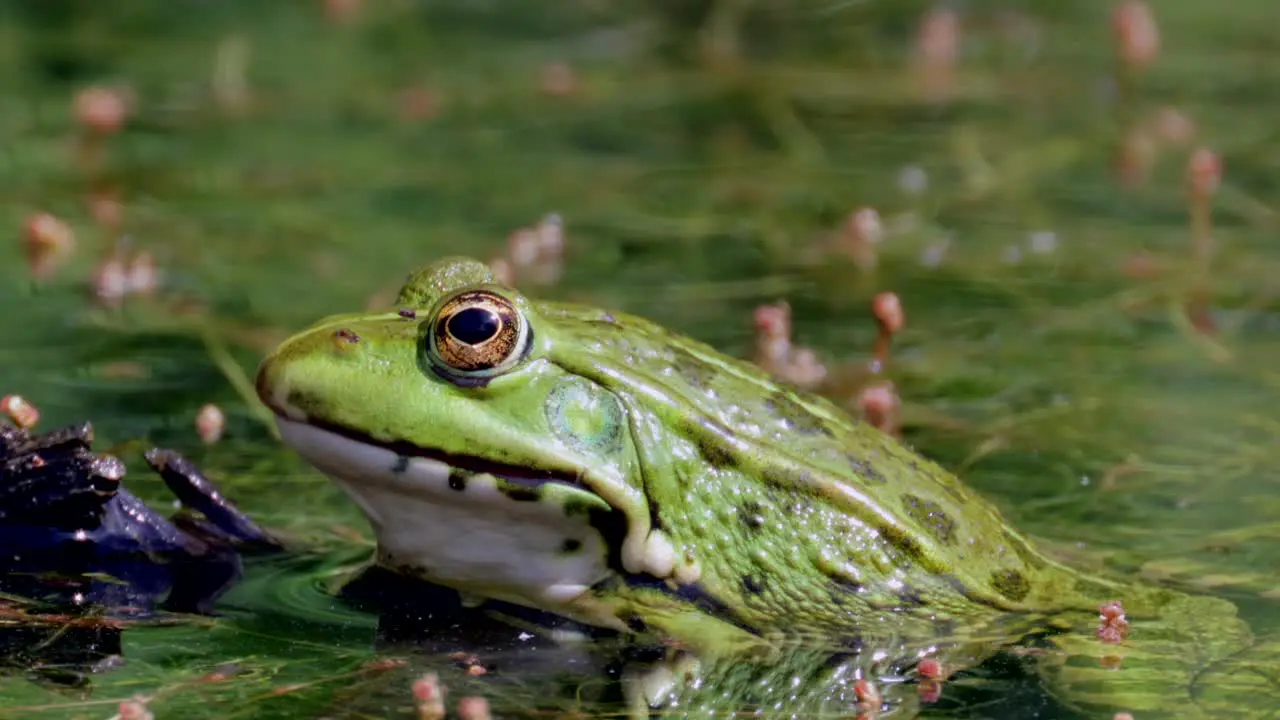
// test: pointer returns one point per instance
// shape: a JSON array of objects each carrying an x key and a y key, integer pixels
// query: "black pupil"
[{"x": 474, "y": 325}]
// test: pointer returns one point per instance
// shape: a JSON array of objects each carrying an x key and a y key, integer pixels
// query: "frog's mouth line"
[
  {"x": 610, "y": 524},
  {"x": 527, "y": 477}
]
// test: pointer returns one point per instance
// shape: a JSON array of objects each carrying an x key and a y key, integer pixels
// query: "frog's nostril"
[{"x": 345, "y": 337}]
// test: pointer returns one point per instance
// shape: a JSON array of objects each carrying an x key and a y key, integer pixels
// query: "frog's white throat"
[{"x": 476, "y": 539}]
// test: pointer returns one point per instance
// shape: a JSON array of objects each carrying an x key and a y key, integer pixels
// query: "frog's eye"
[{"x": 477, "y": 333}]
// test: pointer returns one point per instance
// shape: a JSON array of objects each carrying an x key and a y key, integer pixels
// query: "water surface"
[{"x": 283, "y": 165}]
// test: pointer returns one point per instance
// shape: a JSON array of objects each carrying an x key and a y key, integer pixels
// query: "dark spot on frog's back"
[
  {"x": 903, "y": 541},
  {"x": 909, "y": 596},
  {"x": 752, "y": 515},
  {"x": 842, "y": 585},
  {"x": 795, "y": 416},
  {"x": 753, "y": 584},
  {"x": 930, "y": 516},
  {"x": 799, "y": 508},
  {"x": 706, "y": 435},
  {"x": 956, "y": 584},
  {"x": 787, "y": 477},
  {"x": 865, "y": 470},
  {"x": 1011, "y": 584}
]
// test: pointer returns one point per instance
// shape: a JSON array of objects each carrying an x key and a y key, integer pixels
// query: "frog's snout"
[
  {"x": 273, "y": 388},
  {"x": 312, "y": 366}
]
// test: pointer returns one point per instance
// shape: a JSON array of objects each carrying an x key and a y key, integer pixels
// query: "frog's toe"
[{"x": 197, "y": 492}]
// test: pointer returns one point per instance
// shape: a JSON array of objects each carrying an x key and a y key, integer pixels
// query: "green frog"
[{"x": 597, "y": 466}]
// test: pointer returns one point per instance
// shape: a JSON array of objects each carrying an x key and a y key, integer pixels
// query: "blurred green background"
[{"x": 286, "y": 160}]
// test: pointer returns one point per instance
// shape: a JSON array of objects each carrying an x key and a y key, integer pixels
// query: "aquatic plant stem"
[
  {"x": 1204, "y": 172},
  {"x": 236, "y": 375}
]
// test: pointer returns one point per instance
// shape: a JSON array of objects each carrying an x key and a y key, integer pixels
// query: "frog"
[{"x": 597, "y": 466}]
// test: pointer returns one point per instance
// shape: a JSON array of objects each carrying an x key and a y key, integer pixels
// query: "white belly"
[{"x": 476, "y": 539}]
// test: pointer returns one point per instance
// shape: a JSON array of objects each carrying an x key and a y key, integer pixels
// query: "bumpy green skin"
[{"x": 786, "y": 515}]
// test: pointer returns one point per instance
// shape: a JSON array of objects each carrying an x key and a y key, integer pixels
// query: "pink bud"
[
  {"x": 1137, "y": 36},
  {"x": 102, "y": 110},
  {"x": 1204, "y": 172},
  {"x": 887, "y": 309}
]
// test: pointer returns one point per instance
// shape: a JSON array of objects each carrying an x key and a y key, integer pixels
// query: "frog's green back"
[{"x": 787, "y": 502}]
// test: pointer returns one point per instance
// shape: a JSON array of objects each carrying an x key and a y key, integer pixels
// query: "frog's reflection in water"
[
  {"x": 531, "y": 662},
  {"x": 524, "y": 662}
]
